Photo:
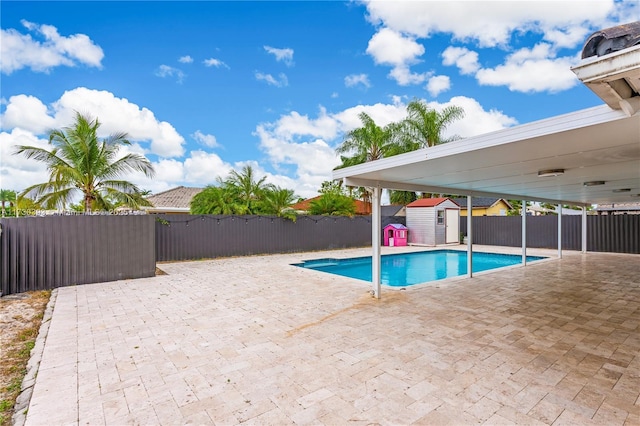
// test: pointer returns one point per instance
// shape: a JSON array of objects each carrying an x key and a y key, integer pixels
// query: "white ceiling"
[{"x": 596, "y": 144}]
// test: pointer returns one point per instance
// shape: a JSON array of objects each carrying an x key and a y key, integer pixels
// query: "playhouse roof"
[
  {"x": 429, "y": 202},
  {"x": 396, "y": 226}
]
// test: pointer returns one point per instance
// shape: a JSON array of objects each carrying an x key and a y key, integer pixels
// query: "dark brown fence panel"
[
  {"x": 39, "y": 253},
  {"x": 615, "y": 234},
  {"x": 183, "y": 237}
]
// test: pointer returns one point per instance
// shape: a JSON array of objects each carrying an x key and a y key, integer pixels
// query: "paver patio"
[{"x": 256, "y": 341}]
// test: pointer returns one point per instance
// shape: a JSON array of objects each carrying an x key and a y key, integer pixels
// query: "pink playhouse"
[{"x": 395, "y": 234}]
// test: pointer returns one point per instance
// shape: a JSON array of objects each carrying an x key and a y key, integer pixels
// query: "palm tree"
[
  {"x": 80, "y": 162},
  {"x": 402, "y": 197},
  {"x": 216, "y": 200},
  {"x": 276, "y": 201},
  {"x": 245, "y": 186},
  {"x": 424, "y": 126},
  {"x": 368, "y": 143},
  {"x": 333, "y": 204},
  {"x": 7, "y": 196}
]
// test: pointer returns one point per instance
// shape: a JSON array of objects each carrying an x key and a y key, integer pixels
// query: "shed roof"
[{"x": 429, "y": 202}]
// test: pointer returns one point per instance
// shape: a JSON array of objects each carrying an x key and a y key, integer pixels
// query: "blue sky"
[{"x": 206, "y": 87}]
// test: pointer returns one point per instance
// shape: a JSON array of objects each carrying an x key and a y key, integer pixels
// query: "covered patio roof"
[{"x": 593, "y": 145}]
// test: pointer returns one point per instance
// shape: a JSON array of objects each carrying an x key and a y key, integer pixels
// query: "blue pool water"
[{"x": 399, "y": 270}]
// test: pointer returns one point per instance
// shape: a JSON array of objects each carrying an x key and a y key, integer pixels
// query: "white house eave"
[
  {"x": 608, "y": 66},
  {"x": 614, "y": 77}
]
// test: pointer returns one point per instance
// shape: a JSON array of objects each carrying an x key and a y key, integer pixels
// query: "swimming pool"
[{"x": 403, "y": 269}]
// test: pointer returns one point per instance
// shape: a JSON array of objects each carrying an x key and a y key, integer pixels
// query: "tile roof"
[
  {"x": 482, "y": 202},
  {"x": 175, "y": 198},
  {"x": 618, "y": 206},
  {"x": 391, "y": 210},
  {"x": 362, "y": 208}
]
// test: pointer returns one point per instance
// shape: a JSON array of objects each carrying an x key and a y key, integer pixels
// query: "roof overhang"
[
  {"x": 595, "y": 144},
  {"x": 615, "y": 78}
]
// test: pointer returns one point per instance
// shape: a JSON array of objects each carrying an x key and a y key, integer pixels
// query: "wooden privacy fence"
[{"x": 615, "y": 233}]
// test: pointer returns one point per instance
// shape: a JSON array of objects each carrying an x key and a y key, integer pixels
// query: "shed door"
[{"x": 452, "y": 223}]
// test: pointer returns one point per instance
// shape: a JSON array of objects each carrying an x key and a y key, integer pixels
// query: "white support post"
[
  {"x": 375, "y": 241},
  {"x": 584, "y": 229},
  {"x": 469, "y": 238},
  {"x": 559, "y": 231},
  {"x": 524, "y": 231}
]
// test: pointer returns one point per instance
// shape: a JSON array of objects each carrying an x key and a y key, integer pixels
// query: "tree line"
[{"x": 80, "y": 164}]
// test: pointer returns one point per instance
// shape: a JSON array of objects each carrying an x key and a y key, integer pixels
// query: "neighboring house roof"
[
  {"x": 429, "y": 202},
  {"x": 362, "y": 208},
  {"x": 392, "y": 210},
  {"x": 618, "y": 207},
  {"x": 176, "y": 200},
  {"x": 480, "y": 202}
]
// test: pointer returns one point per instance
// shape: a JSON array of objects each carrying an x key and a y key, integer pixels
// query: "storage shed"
[
  {"x": 395, "y": 234},
  {"x": 433, "y": 221}
]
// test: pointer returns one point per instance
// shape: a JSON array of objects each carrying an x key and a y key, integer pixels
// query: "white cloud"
[
  {"x": 388, "y": 47},
  {"x": 19, "y": 50},
  {"x": 357, "y": 79},
  {"x": 526, "y": 70},
  {"x": 16, "y": 171},
  {"x": 202, "y": 168},
  {"x": 167, "y": 71},
  {"x": 281, "y": 81},
  {"x": 281, "y": 55},
  {"x": 531, "y": 70},
  {"x": 115, "y": 114},
  {"x": 404, "y": 77},
  {"x": 199, "y": 169},
  {"x": 382, "y": 114},
  {"x": 27, "y": 112},
  {"x": 185, "y": 59},
  {"x": 492, "y": 23},
  {"x": 477, "y": 120},
  {"x": 438, "y": 84},
  {"x": 213, "y": 62},
  {"x": 293, "y": 125},
  {"x": 283, "y": 151},
  {"x": 208, "y": 140},
  {"x": 465, "y": 59}
]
